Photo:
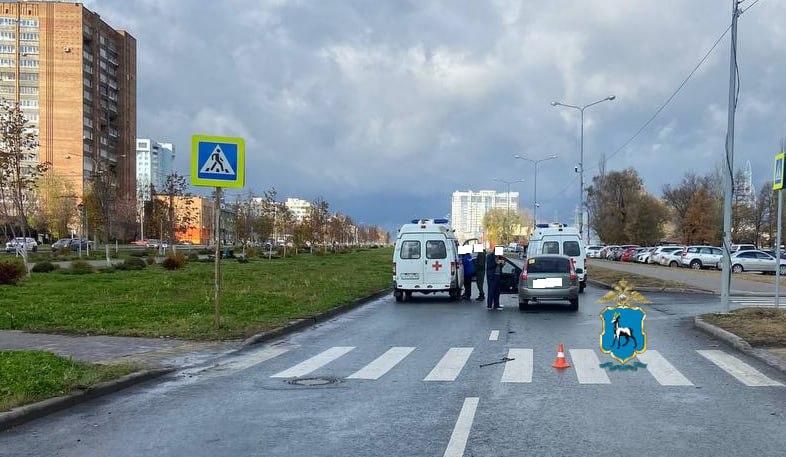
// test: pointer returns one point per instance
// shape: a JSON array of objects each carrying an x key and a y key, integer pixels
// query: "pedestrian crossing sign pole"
[
  {"x": 218, "y": 162},
  {"x": 777, "y": 185}
]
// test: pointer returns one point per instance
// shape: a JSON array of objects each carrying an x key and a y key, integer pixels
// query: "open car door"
[{"x": 509, "y": 279}]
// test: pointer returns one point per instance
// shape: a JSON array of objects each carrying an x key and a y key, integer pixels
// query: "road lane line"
[
  {"x": 314, "y": 363},
  {"x": 254, "y": 358},
  {"x": 587, "y": 370},
  {"x": 458, "y": 439},
  {"x": 519, "y": 369},
  {"x": 745, "y": 373},
  {"x": 494, "y": 336},
  {"x": 382, "y": 364},
  {"x": 663, "y": 371},
  {"x": 449, "y": 367}
]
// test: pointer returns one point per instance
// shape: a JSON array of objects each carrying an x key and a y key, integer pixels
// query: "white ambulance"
[
  {"x": 560, "y": 239},
  {"x": 426, "y": 260}
]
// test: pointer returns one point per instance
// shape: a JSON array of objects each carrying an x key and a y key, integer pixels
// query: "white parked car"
[
  {"x": 755, "y": 261},
  {"x": 698, "y": 257},
  {"x": 20, "y": 243},
  {"x": 660, "y": 251},
  {"x": 671, "y": 259},
  {"x": 593, "y": 251}
]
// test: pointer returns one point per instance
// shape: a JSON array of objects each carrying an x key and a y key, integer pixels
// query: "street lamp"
[
  {"x": 507, "y": 215},
  {"x": 535, "y": 200},
  {"x": 581, "y": 158}
]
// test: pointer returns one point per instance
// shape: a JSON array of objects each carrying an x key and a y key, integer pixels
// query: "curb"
[
  {"x": 26, "y": 413},
  {"x": 603, "y": 285},
  {"x": 300, "y": 324},
  {"x": 739, "y": 343}
]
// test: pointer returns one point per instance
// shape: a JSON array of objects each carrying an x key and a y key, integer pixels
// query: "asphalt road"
[{"x": 239, "y": 408}]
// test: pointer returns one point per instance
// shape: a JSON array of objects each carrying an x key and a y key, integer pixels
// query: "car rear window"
[
  {"x": 550, "y": 247},
  {"x": 435, "y": 249},
  {"x": 547, "y": 265},
  {"x": 410, "y": 250},
  {"x": 571, "y": 248}
]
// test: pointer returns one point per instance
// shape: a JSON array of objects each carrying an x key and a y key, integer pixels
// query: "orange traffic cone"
[{"x": 560, "y": 361}]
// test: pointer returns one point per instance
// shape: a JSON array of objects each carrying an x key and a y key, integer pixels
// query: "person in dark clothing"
[
  {"x": 480, "y": 273},
  {"x": 469, "y": 271},
  {"x": 493, "y": 270}
]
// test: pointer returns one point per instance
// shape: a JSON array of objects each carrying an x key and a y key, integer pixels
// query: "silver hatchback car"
[{"x": 549, "y": 277}]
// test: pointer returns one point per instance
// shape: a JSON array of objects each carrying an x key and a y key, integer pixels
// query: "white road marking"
[
  {"x": 519, "y": 369},
  {"x": 663, "y": 371},
  {"x": 382, "y": 364},
  {"x": 494, "y": 336},
  {"x": 745, "y": 373},
  {"x": 449, "y": 367},
  {"x": 254, "y": 358},
  {"x": 587, "y": 370},
  {"x": 458, "y": 439},
  {"x": 314, "y": 363}
]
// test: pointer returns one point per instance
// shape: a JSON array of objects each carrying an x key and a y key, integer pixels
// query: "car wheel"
[
  {"x": 408, "y": 295},
  {"x": 523, "y": 304},
  {"x": 782, "y": 269},
  {"x": 673, "y": 264},
  {"x": 399, "y": 295},
  {"x": 582, "y": 286},
  {"x": 737, "y": 268},
  {"x": 696, "y": 265},
  {"x": 574, "y": 304}
]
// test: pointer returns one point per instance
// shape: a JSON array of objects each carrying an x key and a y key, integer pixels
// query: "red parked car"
[{"x": 629, "y": 254}]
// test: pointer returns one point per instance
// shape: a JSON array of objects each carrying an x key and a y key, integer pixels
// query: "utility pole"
[{"x": 728, "y": 174}]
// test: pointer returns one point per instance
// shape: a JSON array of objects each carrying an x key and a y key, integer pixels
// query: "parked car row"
[{"x": 21, "y": 243}]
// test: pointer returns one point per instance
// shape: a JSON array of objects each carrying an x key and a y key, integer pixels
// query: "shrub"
[
  {"x": 139, "y": 254},
  {"x": 151, "y": 260},
  {"x": 63, "y": 252},
  {"x": 11, "y": 271},
  {"x": 242, "y": 259},
  {"x": 174, "y": 261},
  {"x": 79, "y": 267},
  {"x": 193, "y": 257},
  {"x": 44, "y": 266},
  {"x": 133, "y": 263}
]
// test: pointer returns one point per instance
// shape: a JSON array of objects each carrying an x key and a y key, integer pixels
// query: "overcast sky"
[{"x": 386, "y": 107}]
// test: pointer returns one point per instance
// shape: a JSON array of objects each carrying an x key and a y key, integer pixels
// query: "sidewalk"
[
  {"x": 145, "y": 352},
  {"x": 708, "y": 280}
]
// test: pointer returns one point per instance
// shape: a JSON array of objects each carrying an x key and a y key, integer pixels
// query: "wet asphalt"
[{"x": 235, "y": 408}]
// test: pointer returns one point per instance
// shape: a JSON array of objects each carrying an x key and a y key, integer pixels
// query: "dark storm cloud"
[{"x": 386, "y": 107}]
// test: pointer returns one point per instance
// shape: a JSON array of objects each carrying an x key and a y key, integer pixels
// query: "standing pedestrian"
[
  {"x": 469, "y": 270},
  {"x": 480, "y": 273},
  {"x": 493, "y": 271}
]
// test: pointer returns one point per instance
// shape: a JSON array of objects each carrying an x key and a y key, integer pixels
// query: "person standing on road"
[
  {"x": 493, "y": 270},
  {"x": 480, "y": 273},
  {"x": 469, "y": 270}
]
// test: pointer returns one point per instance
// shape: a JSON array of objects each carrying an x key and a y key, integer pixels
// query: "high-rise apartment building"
[
  {"x": 468, "y": 209},
  {"x": 298, "y": 207},
  {"x": 153, "y": 164},
  {"x": 74, "y": 77}
]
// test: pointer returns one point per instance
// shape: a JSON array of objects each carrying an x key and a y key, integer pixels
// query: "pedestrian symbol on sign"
[{"x": 218, "y": 163}]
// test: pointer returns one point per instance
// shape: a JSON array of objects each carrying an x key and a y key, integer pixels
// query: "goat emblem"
[{"x": 622, "y": 335}]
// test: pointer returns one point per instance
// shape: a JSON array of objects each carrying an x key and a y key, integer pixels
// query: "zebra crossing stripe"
[
  {"x": 587, "y": 370},
  {"x": 458, "y": 439},
  {"x": 663, "y": 371},
  {"x": 451, "y": 364},
  {"x": 314, "y": 363},
  {"x": 745, "y": 373},
  {"x": 382, "y": 364},
  {"x": 520, "y": 368},
  {"x": 494, "y": 336}
]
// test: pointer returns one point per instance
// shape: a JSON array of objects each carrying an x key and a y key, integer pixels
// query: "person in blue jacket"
[
  {"x": 469, "y": 272},
  {"x": 493, "y": 271}
]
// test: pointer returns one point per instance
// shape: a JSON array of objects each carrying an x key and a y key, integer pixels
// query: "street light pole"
[
  {"x": 535, "y": 196},
  {"x": 581, "y": 156}
]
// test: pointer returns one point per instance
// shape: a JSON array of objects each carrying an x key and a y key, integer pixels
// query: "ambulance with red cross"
[{"x": 426, "y": 260}]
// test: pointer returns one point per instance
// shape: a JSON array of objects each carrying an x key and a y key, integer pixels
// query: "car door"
[
  {"x": 410, "y": 265},
  {"x": 747, "y": 260},
  {"x": 509, "y": 278},
  {"x": 766, "y": 262},
  {"x": 436, "y": 263}
]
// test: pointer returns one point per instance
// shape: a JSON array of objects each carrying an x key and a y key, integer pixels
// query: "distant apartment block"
[
  {"x": 469, "y": 207},
  {"x": 74, "y": 77},
  {"x": 298, "y": 207},
  {"x": 153, "y": 164}
]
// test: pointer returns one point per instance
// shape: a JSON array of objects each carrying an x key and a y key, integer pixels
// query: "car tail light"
[
  {"x": 453, "y": 267},
  {"x": 572, "y": 270},
  {"x": 394, "y": 268},
  {"x": 523, "y": 276}
]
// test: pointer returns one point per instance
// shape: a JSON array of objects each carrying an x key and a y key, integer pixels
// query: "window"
[
  {"x": 705, "y": 251},
  {"x": 28, "y": 103},
  {"x": 747, "y": 255},
  {"x": 6, "y": 76},
  {"x": 7, "y": 36},
  {"x": 7, "y": 89},
  {"x": 571, "y": 248},
  {"x": 550, "y": 247},
  {"x": 693, "y": 250},
  {"x": 7, "y": 48},
  {"x": 28, "y": 90},
  {"x": 716, "y": 251},
  {"x": 7, "y": 62},
  {"x": 28, "y": 23},
  {"x": 410, "y": 250},
  {"x": 28, "y": 76},
  {"x": 27, "y": 49},
  {"x": 435, "y": 249},
  {"x": 763, "y": 256},
  {"x": 7, "y": 21},
  {"x": 28, "y": 36},
  {"x": 548, "y": 265},
  {"x": 28, "y": 63}
]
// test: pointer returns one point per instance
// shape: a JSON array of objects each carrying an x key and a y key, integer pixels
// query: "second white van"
[{"x": 563, "y": 240}]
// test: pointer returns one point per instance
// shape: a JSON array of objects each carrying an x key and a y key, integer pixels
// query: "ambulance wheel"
[
  {"x": 523, "y": 304},
  {"x": 574, "y": 304},
  {"x": 399, "y": 296},
  {"x": 454, "y": 294},
  {"x": 408, "y": 295}
]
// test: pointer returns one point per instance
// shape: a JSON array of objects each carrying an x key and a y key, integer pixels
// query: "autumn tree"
[
  {"x": 316, "y": 221},
  {"x": 699, "y": 223},
  {"x": 55, "y": 205},
  {"x": 499, "y": 223}
]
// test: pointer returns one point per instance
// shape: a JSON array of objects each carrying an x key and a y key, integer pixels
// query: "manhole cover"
[{"x": 311, "y": 382}]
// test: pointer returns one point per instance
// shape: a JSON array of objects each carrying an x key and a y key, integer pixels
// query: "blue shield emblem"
[{"x": 622, "y": 335}]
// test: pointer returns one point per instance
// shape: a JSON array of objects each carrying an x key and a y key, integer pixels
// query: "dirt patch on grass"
[
  {"x": 609, "y": 276},
  {"x": 758, "y": 326}
]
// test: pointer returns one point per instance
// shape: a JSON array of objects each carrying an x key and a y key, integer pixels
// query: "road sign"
[
  {"x": 217, "y": 161},
  {"x": 777, "y": 177}
]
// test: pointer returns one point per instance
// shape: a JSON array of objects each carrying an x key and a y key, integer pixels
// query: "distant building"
[
  {"x": 199, "y": 213},
  {"x": 153, "y": 164},
  {"x": 469, "y": 207},
  {"x": 298, "y": 207}
]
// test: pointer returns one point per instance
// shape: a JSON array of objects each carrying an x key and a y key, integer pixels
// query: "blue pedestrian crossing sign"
[{"x": 217, "y": 161}]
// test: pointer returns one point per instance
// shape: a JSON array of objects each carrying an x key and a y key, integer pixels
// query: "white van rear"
[
  {"x": 426, "y": 260},
  {"x": 563, "y": 240}
]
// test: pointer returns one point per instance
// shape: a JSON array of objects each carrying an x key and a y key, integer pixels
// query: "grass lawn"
[
  {"x": 757, "y": 326},
  {"x": 609, "y": 276},
  {"x": 29, "y": 376},
  {"x": 256, "y": 296}
]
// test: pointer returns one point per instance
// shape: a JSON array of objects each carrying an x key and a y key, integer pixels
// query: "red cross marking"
[{"x": 436, "y": 265}]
